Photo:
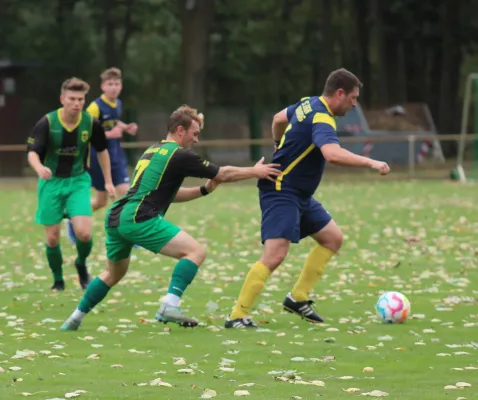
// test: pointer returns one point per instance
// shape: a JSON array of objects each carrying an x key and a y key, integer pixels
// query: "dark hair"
[
  {"x": 184, "y": 116},
  {"x": 341, "y": 79}
]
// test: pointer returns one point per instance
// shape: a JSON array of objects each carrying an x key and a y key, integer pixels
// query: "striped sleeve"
[{"x": 324, "y": 130}]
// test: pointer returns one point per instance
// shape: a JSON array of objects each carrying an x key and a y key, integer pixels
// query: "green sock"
[
  {"x": 55, "y": 261},
  {"x": 84, "y": 250},
  {"x": 96, "y": 291},
  {"x": 183, "y": 274}
]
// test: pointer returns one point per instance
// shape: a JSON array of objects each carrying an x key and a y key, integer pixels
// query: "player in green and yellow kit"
[
  {"x": 138, "y": 217},
  {"x": 58, "y": 151}
]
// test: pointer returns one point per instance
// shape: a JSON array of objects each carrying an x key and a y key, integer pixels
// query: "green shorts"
[
  {"x": 152, "y": 235},
  {"x": 57, "y": 195}
]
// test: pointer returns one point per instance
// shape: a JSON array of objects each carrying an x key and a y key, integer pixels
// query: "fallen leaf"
[
  {"x": 351, "y": 390},
  {"x": 208, "y": 394},
  {"x": 375, "y": 393},
  {"x": 186, "y": 371},
  {"x": 159, "y": 382},
  {"x": 72, "y": 395},
  {"x": 462, "y": 385},
  {"x": 241, "y": 393}
]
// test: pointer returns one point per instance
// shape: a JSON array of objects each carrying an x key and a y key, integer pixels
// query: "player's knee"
[
  {"x": 334, "y": 240},
  {"x": 275, "y": 255},
  {"x": 196, "y": 253},
  {"x": 274, "y": 260},
  {"x": 113, "y": 273},
  {"x": 83, "y": 235},
  {"x": 101, "y": 202},
  {"x": 53, "y": 239}
]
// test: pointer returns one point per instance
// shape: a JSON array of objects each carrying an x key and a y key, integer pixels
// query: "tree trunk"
[
  {"x": 363, "y": 43},
  {"x": 110, "y": 31},
  {"x": 450, "y": 64},
  {"x": 197, "y": 16},
  {"x": 381, "y": 95},
  {"x": 127, "y": 32}
]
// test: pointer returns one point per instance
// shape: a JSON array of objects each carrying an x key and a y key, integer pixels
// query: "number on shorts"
[{"x": 138, "y": 171}]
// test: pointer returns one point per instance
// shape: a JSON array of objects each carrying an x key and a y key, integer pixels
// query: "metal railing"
[{"x": 412, "y": 140}]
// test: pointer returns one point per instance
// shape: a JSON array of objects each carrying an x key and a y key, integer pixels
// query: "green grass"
[{"x": 418, "y": 238}]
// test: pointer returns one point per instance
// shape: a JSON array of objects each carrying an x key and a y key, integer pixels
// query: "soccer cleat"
[
  {"x": 168, "y": 313},
  {"x": 83, "y": 275},
  {"x": 70, "y": 325},
  {"x": 70, "y": 231},
  {"x": 240, "y": 323},
  {"x": 59, "y": 286},
  {"x": 302, "y": 308}
]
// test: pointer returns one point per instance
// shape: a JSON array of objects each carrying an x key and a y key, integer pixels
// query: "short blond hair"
[
  {"x": 110, "y": 73},
  {"x": 75, "y": 85},
  {"x": 184, "y": 116}
]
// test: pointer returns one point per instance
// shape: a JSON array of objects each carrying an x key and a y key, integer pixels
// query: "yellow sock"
[
  {"x": 312, "y": 271},
  {"x": 253, "y": 285}
]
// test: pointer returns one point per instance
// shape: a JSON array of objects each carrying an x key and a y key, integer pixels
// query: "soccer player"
[
  {"x": 58, "y": 151},
  {"x": 138, "y": 217},
  {"x": 107, "y": 109},
  {"x": 305, "y": 138}
]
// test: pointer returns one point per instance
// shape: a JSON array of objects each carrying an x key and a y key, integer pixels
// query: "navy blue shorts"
[
  {"x": 119, "y": 174},
  {"x": 291, "y": 217}
]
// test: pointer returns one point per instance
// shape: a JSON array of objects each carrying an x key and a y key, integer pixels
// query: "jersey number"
[{"x": 138, "y": 171}]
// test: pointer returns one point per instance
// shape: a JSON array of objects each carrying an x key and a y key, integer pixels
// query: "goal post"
[{"x": 469, "y": 171}]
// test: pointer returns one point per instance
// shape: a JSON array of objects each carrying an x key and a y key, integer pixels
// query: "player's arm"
[
  {"x": 116, "y": 132},
  {"x": 37, "y": 146},
  {"x": 98, "y": 141},
  {"x": 259, "y": 170},
  {"x": 324, "y": 136},
  {"x": 192, "y": 165},
  {"x": 280, "y": 122},
  {"x": 189, "y": 164}
]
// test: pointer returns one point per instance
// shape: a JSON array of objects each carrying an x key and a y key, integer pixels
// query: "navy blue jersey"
[
  {"x": 108, "y": 113},
  {"x": 311, "y": 125}
]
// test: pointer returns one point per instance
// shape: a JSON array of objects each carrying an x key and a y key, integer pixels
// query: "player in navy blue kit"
[
  {"x": 107, "y": 109},
  {"x": 305, "y": 137}
]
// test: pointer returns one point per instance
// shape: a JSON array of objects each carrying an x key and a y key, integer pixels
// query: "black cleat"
[
  {"x": 240, "y": 323},
  {"x": 302, "y": 308},
  {"x": 58, "y": 286},
  {"x": 83, "y": 275}
]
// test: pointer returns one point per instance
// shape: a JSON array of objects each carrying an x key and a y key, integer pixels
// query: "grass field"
[{"x": 418, "y": 238}]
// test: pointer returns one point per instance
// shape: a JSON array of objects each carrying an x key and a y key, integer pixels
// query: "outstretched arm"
[
  {"x": 335, "y": 154},
  {"x": 187, "y": 194},
  {"x": 260, "y": 170}
]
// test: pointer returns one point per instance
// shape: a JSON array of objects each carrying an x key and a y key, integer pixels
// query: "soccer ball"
[{"x": 393, "y": 307}]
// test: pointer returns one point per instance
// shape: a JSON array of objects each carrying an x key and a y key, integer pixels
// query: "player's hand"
[
  {"x": 121, "y": 125},
  {"x": 110, "y": 189},
  {"x": 266, "y": 171},
  {"x": 131, "y": 128},
  {"x": 211, "y": 185},
  {"x": 381, "y": 167},
  {"x": 44, "y": 172},
  {"x": 115, "y": 133}
]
